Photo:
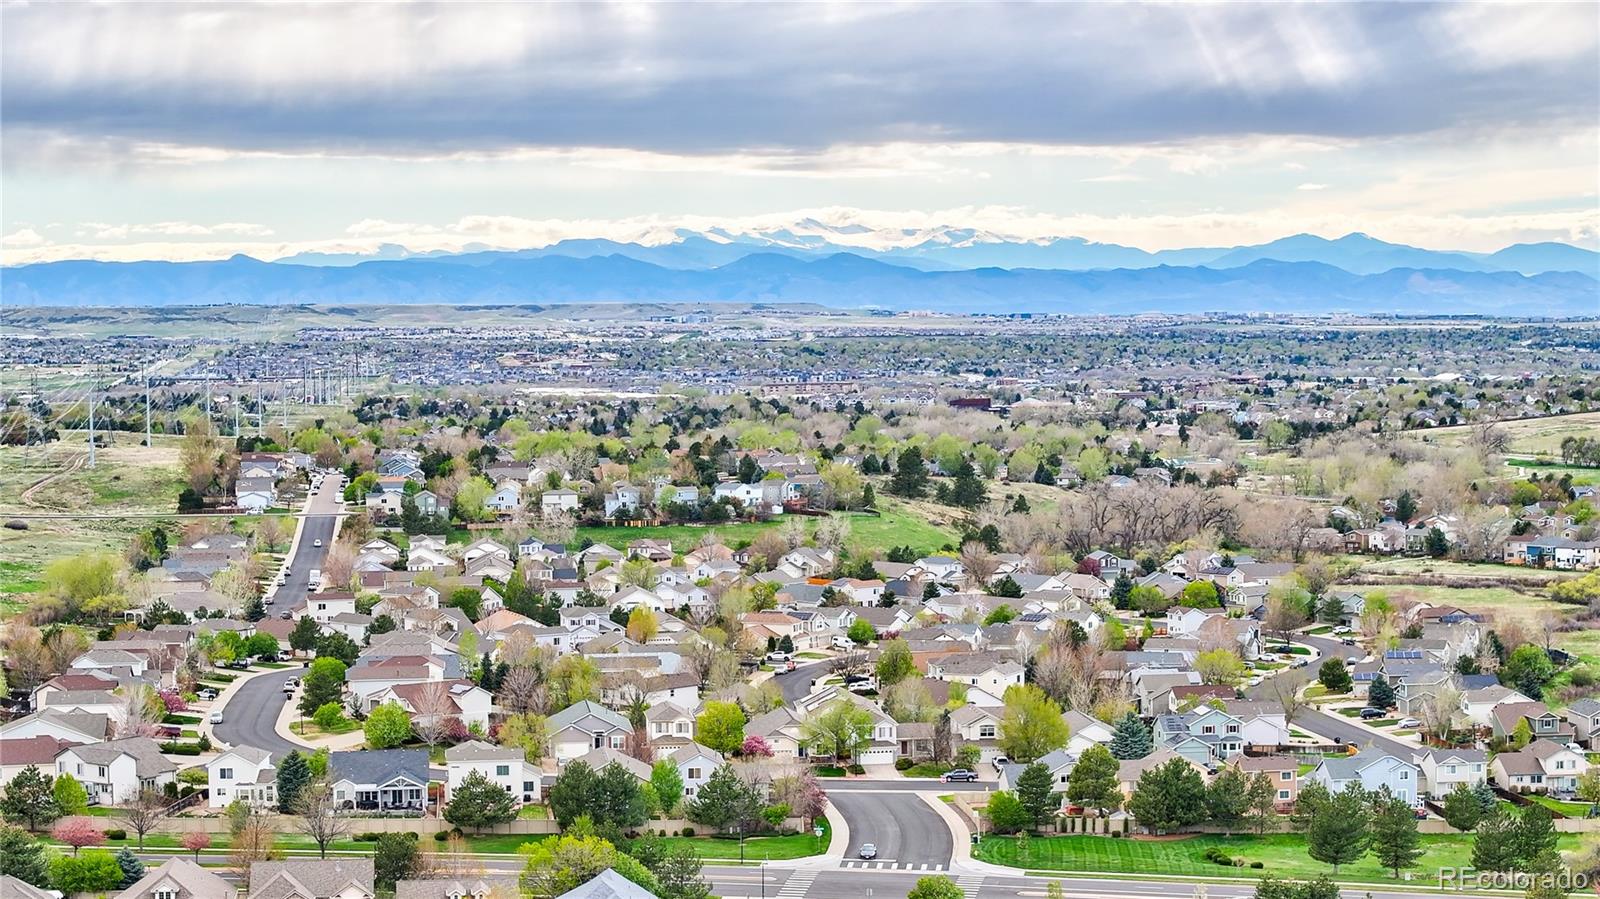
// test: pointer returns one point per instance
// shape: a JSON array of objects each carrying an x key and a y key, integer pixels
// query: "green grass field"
[
  {"x": 774, "y": 848},
  {"x": 1281, "y": 854},
  {"x": 875, "y": 534}
]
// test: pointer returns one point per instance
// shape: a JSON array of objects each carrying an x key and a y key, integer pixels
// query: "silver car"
[{"x": 868, "y": 850}]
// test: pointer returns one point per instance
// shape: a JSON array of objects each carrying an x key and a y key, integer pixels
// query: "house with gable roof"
[
  {"x": 308, "y": 878},
  {"x": 176, "y": 878}
]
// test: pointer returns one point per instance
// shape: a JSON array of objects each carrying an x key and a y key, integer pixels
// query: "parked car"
[
  {"x": 215, "y": 718},
  {"x": 959, "y": 775},
  {"x": 266, "y": 600},
  {"x": 170, "y": 731},
  {"x": 1369, "y": 713},
  {"x": 1411, "y": 723},
  {"x": 286, "y": 615},
  {"x": 207, "y": 693},
  {"x": 238, "y": 664},
  {"x": 868, "y": 850},
  {"x": 843, "y": 644},
  {"x": 1348, "y": 641},
  {"x": 1000, "y": 762},
  {"x": 777, "y": 658}
]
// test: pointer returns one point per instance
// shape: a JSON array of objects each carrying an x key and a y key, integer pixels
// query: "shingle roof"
[
  {"x": 608, "y": 885},
  {"x": 315, "y": 878},
  {"x": 381, "y": 766},
  {"x": 148, "y": 760}
]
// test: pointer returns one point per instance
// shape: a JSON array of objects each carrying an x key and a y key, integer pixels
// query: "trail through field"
[{"x": 36, "y": 486}]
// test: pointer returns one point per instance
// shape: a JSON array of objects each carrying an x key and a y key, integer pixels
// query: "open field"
[
  {"x": 1532, "y": 435},
  {"x": 1402, "y": 568},
  {"x": 1522, "y": 468},
  {"x": 1281, "y": 854},
  {"x": 898, "y": 525}
]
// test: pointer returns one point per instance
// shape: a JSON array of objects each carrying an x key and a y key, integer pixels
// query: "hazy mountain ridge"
[{"x": 836, "y": 279}]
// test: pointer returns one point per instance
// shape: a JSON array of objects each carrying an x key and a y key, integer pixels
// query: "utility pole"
[
  {"x": 91, "y": 426},
  {"x": 261, "y": 413},
  {"x": 147, "y": 407}
]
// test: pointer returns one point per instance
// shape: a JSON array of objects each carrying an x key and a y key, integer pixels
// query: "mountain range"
[{"x": 947, "y": 269}]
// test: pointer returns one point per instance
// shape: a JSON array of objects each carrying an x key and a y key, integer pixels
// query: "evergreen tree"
[
  {"x": 479, "y": 803},
  {"x": 1395, "y": 840},
  {"x": 570, "y": 794},
  {"x": 1462, "y": 810},
  {"x": 1334, "y": 676},
  {"x": 968, "y": 491},
  {"x": 22, "y": 857},
  {"x": 910, "y": 478},
  {"x": 1228, "y": 798},
  {"x": 30, "y": 799},
  {"x": 725, "y": 802},
  {"x": 1093, "y": 782},
  {"x": 1035, "y": 792},
  {"x": 132, "y": 868},
  {"x": 394, "y": 858},
  {"x": 1261, "y": 803},
  {"x": 294, "y": 772},
  {"x": 254, "y": 608},
  {"x": 1534, "y": 835},
  {"x": 1494, "y": 845},
  {"x": 1131, "y": 739},
  {"x": 1340, "y": 831},
  {"x": 1121, "y": 590},
  {"x": 1169, "y": 797},
  {"x": 303, "y": 638},
  {"x": 1381, "y": 694}
]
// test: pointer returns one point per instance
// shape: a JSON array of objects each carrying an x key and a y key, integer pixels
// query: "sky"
[{"x": 194, "y": 131}]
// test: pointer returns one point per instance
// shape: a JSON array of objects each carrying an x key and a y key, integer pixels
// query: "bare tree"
[
  {"x": 135, "y": 714},
  {"x": 523, "y": 690},
  {"x": 979, "y": 563},
  {"x": 1284, "y": 616},
  {"x": 1284, "y": 689},
  {"x": 1438, "y": 712},
  {"x": 268, "y": 533},
  {"x": 143, "y": 812},
  {"x": 849, "y": 663},
  {"x": 252, "y": 843},
  {"x": 433, "y": 708},
  {"x": 320, "y": 818}
]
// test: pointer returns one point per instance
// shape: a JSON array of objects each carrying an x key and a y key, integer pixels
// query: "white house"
[
  {"x": 1544, "y": 766},
  {"x": 1373, "y": 769},
  {"x": 117, "y": 771},
  {"x": 323, "y": 607},
  {"x": 460, "y": 699},
  {"x": 1443, "y": 769},
  {"x": 561, "y": 499},
  {"x": 695, "y": 764},
  {"x": 503, "y": 766},
  {"x": 988, "y": 673},
  {"x": 242, "y": 772}
]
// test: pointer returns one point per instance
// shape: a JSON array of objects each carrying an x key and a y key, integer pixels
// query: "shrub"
[
  {"x": 1215, "y": 855},
  {"x": 367, "y": 836},
  {"x": 857, "y": 769},
  {"x": 116, "y": 833},
  {"x": 688, "y": 831},
  {"x": 441, "y": 835},
  {"x": 1257, "y": 865}
]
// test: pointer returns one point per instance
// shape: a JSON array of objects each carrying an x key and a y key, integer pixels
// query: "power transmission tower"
[
  {"x": 91, "y": 425},
  {"x": 147, "y": 407}
]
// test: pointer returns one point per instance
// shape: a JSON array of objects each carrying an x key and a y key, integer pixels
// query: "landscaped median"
[{"x": 1283, "y": 855}]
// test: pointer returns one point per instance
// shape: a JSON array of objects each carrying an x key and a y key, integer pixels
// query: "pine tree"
[
  {"x": 132, "y": 868},
  {"x": 910, "y": 478},
  {"x": 1340, "y": 831},
  {"x": 294, "y": 772},
  {"x": 1380, "y": 695},
  {"x": 1261, "y": 803},
  {"x": 1121, "y": 590},
  {"x": 1093, "y": 782},
  {"x": 1035, "y": 790},
  {"x": 30, "y": 799},
  {"x": 1462, "y": 810},
  {"x": 1228, "y": 799},
  {"x": 1534, "y": 835},
  {"x": 1169, "y": 797},
  {"x": 479, "y": 803},
  {"x": 1395, "y": 840},
  {"x": 1131, "y": 739},
  {"x": 1493, "y": 845}
]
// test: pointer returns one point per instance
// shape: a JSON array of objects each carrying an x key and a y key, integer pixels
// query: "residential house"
[
  {"x": 504, "y": 766},
  {"x": 117, "y": 771},
  {"x": 977, "y": 726},
  {"x": 243, "y": 772},
  {"x": 1584, "y": 716},
  {"x": 1542, "y": 723},
  {"x": 695, "y": 764},
  {"x": 1373, "y": 769},
  {"x": 1443, "y": 769},
  {"x": 1542, "y": 767},
  {"x": 424, "y": 702},
  {"x": 1203, "y": 735},
  {"x": 467, "y": 886},
  {"x": 1478, "y": 705},
  {"x": 66, "y": 726},
  {"x": 307, "y": 878},
  {"x": 988, "y": 673},
  {"x": 585, "y": 726},
  {"x": 29, "y": 752},
  {"x": 176, "y": 878},
  {"x": 1282, "y": 770},
  {"x": 380, "y": 780}
]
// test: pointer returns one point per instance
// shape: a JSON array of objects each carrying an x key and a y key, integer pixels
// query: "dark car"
[
  {"x": 1348, "y": 641},
  {"x": 959, "y": 775},
  {"x": 1369, "y": 713}
]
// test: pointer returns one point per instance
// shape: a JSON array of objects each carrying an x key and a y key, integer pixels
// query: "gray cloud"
[{"x": 709, "y": 78}]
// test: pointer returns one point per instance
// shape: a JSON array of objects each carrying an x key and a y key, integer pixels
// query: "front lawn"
[
  {"x": 311, "y": 729},
  {"x": 926, "y": 769},
  {"x": 829, "y": 771},
  {"x": 1570, "y": 809},
  {"x": 756, "y": 849},
  {"x": 1281, "y": 854}
]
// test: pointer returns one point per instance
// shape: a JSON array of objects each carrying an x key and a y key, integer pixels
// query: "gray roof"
[
  {"x": 576, "y": 712},
  {"x": 608, "y": 885},
  {"x": 148, "y": 760},
  {"x": 479, "y": 751},
  {"x": 1585, "y": 706},
  {"x": 315, "y": 878},
  {"x": 12, "y": 888},
  {"x": 196, "y": 882},
  {"x": 483, "y": 885},
  {"x": 379, "y": 767}
]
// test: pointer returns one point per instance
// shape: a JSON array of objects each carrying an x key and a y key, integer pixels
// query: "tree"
[
  {"x": 1093, "y": 782},
  {"x": 1380, "y": 694},
  {"x": 293, "y": 775},
  {"x": 319, "y": 815},
  {"x": 642, "y": 624},
  {"x": 1169, "y": 796},
  {"x": 322, "y": 684},
  {"x": 1006, "y": 813},
  {"x": 894, "y": 663},
  {"x": 910, "y": 478},
  {"x": 70, "y": 796},
  {"x": 1131, "y": 739},
  {"x": 479, "y": 803},
  {"x": 720, "y": 726},
  {"x": 1527, "y": 670},
  {"x": 968, "y": 491},
  {"x": 1462, "y": 809},
  {"x": 132, "y": 868},
  {"x": 143, "y": 812},
  {"x": 1036, "y": 792},
  {"x": 1340, "y": 830},
  {"x": 668, "y": 784},
  {"x": 861, "y": 632},
  {"x": 1494, "y": 844},
  {"x": 1220, "y": 666},
  {"x": 195, "y": 841},
  {"x": 387, "y": 726},
  {"x": 679, "y": 875},
  {"x": 1031, "y": 724},
  {"x": 617, "y": 802},
  {"x": 1395, "y": 840},
  {"x": 395, "y": 857},
  {"x": 94, "y": 872},
  {"x": 1228, "y": 798},
  {"x": 22, "y": 857},
  {"x": 30, "y": 799},
  {"x": 1534, "y": 834},
  {"x": 570, "y": 794},
  {"x": 1261, "y": 803},
  {"x": 559, "y": 866},
  {"x": 303, "y": 638},
  {"x": 725, "y": 802},
  {"x": 526, "y": 731},
  {"x": 839, "y": 729},
  {"x": 433, "y": 713},
  {"x": 935, "y": 886},
  {"x": 1334, "y": 675},
  {"x": 78, "y": 833}
]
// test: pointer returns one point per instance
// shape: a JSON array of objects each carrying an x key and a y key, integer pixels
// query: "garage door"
[{"x": 876, "y": 756}]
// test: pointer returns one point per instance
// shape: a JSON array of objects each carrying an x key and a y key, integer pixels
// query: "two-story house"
[
  {"x": 582, "y": 727},
  {"x": 1442, "y": 769},
  {"x": 178, "y": 878},
  {"x": 504, "y": 766},
  {"x": 1373, "y": 769},
  {"x": 1584, "y": 716},
  {"x": 117, "y": 771},
  {"x": 243, "y": 772},
  {"x": 310, "y": 878},
  {"x": 1543, "y": 766}
]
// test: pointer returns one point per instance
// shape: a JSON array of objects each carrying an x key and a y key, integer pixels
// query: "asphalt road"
[
  {"x": 909, "y": 835},
  {"x": 317, "y": 523},
  {"x": 842, "y": 785},
  {"x": 797, "y": 683}
]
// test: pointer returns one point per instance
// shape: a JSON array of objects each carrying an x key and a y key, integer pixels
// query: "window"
[
  {"x": 1233, "y": 728},
  {"x": 985, "y": 731},
  {"x": 694, "y": 773},
  {"x": 527, "y": 786},
  {"x": 618, "y": 741},
  {"x": 102, "y": 769},
  {"x": 1283, "y": 795},
  {"x": 1449, "y": 769},
  {"x": 1405, "y": 775},
  {"x": 225, "y": 773},
  {"x": 1286, "y": 775},
  {"x": 599, "y": 741},
  {"x": 166, "y": 894},
  {"x": 502, "y": 770},
  {"x": 1208, "y": 729}
]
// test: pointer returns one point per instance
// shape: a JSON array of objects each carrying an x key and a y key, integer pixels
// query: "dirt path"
[{"x": 27, "y": 495}]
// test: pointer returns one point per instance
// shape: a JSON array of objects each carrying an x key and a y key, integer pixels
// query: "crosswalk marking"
[
  {"x": 970, "y": 884},
  {"x": 797, "y": 884},
  {"x": 892, "y": 866}
]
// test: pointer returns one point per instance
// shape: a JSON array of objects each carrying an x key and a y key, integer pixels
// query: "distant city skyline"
[{"x": 195, "y": 132}]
